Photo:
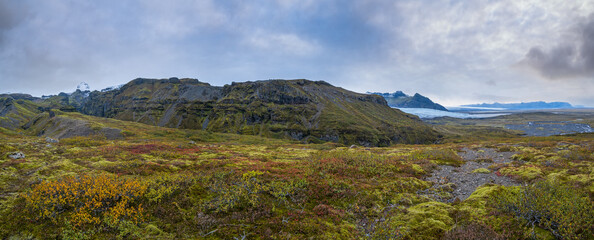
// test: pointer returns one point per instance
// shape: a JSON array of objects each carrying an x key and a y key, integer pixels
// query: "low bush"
[
  {"x": 163, "y": 187},
  {"x": 564, "y": 211},
  {"x": 249, "y": 191},
  {"x": 357, "y": 164},
  {"x": 86, "y": 200}
]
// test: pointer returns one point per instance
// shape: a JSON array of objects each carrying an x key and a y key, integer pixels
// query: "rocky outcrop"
[{"x": 16, "y": 155}]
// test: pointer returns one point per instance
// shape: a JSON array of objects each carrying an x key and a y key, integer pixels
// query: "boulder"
[{"x": 16, "y": 155}]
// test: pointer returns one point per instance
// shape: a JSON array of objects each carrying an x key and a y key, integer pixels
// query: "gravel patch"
[{"x": 460, "y": 182}]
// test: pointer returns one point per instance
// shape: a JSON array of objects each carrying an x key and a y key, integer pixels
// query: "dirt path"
[{"x": 460, "y": 182}]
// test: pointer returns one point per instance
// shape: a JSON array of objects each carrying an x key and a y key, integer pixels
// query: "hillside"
[
  {"x": 299, "y": 109},
  {"x": 16, "y": 110},
  {"x": 399, "y": 99}
]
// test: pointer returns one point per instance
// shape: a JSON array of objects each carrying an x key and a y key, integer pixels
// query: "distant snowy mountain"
[
  {"x": 432, "y": 113},
  {"x": 399, "y": 99},
  {"x": 83, "y": 86},
  {"x": 523, "y": 105},
  {"x": 112, "y": 88}
]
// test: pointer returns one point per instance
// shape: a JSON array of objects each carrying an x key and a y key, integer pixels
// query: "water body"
[
  {"x": 427, "y": 113},
  {"x": 549, "y": 128}
]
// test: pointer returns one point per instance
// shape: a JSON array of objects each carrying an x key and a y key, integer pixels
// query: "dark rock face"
[
  {"x": 77, "y": 98},
  {"x": 399, "y": 99},
  {"x": 300, "y": 109}
]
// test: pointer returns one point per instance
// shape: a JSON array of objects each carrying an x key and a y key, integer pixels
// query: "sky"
[{"x": 454, "y": 52}]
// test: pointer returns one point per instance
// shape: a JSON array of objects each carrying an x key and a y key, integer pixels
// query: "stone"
[
  {"x": 16, "y": 155},
  {"x": 51, "y": 140}
]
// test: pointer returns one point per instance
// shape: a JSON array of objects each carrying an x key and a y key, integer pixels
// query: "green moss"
[
  {"x": 5, "y": 149},
  {"x": 428, "y": 220},
  {"x": 560, "y": 176},
  {"x": 418, "y": 169},
  {"x": 524, "y": 173},
  {"x": 475, "y": 206},
  {"x": 542, "y": 234},
  {"x": 481, "y": 170},
  {"x": 153, "y": 230},
  {"x": 103, "y": 164}
]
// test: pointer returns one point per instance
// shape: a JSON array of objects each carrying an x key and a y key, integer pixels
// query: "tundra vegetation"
[{"x": 168, "y": 183}]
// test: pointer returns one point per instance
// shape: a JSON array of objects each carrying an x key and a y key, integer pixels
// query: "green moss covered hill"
[{"x": 308, "y": 111}]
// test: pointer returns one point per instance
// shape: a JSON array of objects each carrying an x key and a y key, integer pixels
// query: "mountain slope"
[
  {"x": 400, "y": 100},
  {"x": 16, "y": 110},
  {"x": 300, "y": 109}
]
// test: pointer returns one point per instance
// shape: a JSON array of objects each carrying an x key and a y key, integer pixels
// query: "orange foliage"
[{"x": 87, "y": 200}]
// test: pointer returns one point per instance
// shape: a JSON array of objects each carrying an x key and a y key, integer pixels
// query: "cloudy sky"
[{"x": 455, "y": 52}]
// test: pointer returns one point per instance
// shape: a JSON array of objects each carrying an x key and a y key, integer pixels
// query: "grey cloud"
[
  {"x": 8, "y": 16},
  {"x": 447, "y": 49},
  {"x": 11, "y": 14},
  {"x": 572, "y": 58}
]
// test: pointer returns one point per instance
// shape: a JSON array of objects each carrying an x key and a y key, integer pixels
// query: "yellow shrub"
[{"x": 87, "y": 199}]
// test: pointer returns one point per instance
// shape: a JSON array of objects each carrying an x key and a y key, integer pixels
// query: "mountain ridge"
[
  {"x": 300, "y": 109},
  {"x": 304, "y": 110},
  {"x": 399, "y": 99}
]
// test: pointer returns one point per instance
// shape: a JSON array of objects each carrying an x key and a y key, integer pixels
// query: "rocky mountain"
[
  {"x": 523, "y": 105},
  {"x": 400, "y": 100},
  {"x": 309, "y": 111}
]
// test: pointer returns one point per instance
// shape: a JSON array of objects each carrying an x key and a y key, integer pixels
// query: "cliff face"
[
  {"x": 163, "y": 102},
  {"x": 300, "y": 109}
]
